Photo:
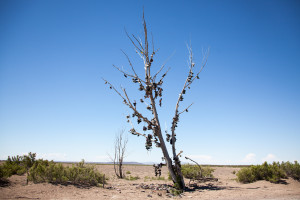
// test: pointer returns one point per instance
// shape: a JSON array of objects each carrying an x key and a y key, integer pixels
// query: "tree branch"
[
  {"x": 134, "y": 108},
  {"x": 163, "y": 65},
  {"x": 130, "y": 63},
  {"x": 112, "y": 87},
  {"x": 133, "y": 42},
  {"x": 130, "y": 75},
  {"x": 134, "y": 132},
  {"x": 163, "y": 76},
  {"x": 127, "y": 101},
  {"x": 138, "y": 42},
  {"x": 196, "y": 164},
  {"x": 146, "y": 41},
  {"x": 189, "y": 80},
  {"x": 185, "y": 110}
]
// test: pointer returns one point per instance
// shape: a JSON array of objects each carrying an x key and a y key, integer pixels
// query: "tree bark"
[{"x": 165, "y": 152}]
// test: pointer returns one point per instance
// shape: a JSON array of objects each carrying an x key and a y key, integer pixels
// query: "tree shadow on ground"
[
  {"x": 4, "y": 183},
  {"x": 209, "y": 186},
  {"x": 195, "y": 187},
  {"x": 281, "y": 181},
  {"x": 81, "y": 186}
]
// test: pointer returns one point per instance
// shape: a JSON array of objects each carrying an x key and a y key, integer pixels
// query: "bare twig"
[
  {"x": 130, "y": 63},
  {"x": 118, "y": 68},
  {"x": 186, "y": 110},
  {"x": 138, "y": 42},
  {"x": 204, "y": 62},
  {"x": 146, "y": 41},
  {"x": 133, "y": 42},
  {"x": 163, "y": 65},
  {"x": 164, "y": 75},
  {"x": 153, "y": 52},
  {"x": 112, "y": 87}
]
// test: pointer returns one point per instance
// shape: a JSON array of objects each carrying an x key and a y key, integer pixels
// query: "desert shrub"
[
  {"x": 246, "y": 175},
  {"x": 194, "y": 172},
  {"x": 28, "y": 160},
  {"x": 269, "y": 172},
  {"x": 13, "y": 165},
  {"x": 79, "y": 174},
  {"x": 3, "y": 172},
  {"x": 132, "y": 178},
  {"x": 17, "y": 165},
  {"x": 128, "y": 172},
  {"x": 291, "y": 170},
  {"x": 84, "y": 174},
  {"x": 159, "y": 178}
]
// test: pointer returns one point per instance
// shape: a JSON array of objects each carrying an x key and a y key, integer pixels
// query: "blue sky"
[{"x": 246, "y": 103}]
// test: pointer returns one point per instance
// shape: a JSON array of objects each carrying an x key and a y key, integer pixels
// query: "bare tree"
[
  {"x": 151, "y": 86},
  {"x": 119, "y": 153}
]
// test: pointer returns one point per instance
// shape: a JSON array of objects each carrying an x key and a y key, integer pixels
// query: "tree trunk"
[
  {"x": 175, "y": 171},
  {"x": 120, "y": 169}
]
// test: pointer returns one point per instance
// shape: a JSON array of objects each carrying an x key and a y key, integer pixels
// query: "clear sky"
[{"x": 246, "y": 103}]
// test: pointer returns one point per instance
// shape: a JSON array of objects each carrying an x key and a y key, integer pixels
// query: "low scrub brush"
[
  {"x": 79, "y": 174},
  {"x": 17, "y": 165},
  {"x": 270, "y": 172},
  {"x": 194, "y": 172}
]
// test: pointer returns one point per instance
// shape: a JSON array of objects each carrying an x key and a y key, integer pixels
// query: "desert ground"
[{"x": 145, "y": 188}]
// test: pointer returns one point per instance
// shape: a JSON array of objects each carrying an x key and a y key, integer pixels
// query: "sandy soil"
[{"x": 225, "y": 188}]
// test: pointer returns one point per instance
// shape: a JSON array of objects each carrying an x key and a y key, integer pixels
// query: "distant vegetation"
[
  {"x": 270, "y": 172},
  {"x": 41, "y": 170}
]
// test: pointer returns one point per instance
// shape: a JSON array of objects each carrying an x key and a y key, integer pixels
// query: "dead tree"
[
  {"x": 119, "y": 153},
  {"x": 151, "y": 87}
]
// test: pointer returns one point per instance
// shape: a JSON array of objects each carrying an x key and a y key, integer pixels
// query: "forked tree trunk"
[{"x": 175, "y": 171}]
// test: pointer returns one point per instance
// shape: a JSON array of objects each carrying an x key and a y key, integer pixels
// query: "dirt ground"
[{"x": 145, "y": 188}]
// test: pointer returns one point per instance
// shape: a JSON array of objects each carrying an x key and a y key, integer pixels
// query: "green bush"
[
  {"x": 245, "y": 175},
  {"x": 3, "y": 172},
  {"x": 291, "y": 170},
  {"x": 132, "y": 178},
  {"x": 159, "y": 178},
  {"x": 79, "y": 174},
  {"x": 41, "y": 170},
  {"x": 13, "y": 166},
  {"x": 269, "y": 172},
  {"x": 194, "y": 172},
  {"x": 17, "y": 165}
]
